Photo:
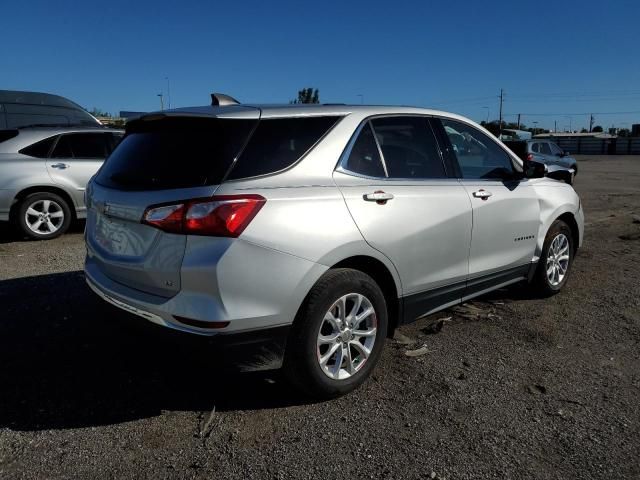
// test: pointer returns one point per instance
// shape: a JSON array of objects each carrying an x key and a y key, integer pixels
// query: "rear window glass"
[
  {"x": 174, "y": 153},
  {"x": 279, "y": 143},
  {"x": 39, "y": 149}
]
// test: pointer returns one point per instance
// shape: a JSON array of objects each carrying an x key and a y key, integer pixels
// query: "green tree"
[
  {"x": 96, "y": 112},
  {"x": 307, "y": 95},
  {"x": 624, "y": 132},
  {"x": 597, "y": 129}
]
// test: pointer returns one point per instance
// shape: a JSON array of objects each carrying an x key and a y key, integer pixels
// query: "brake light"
[
  {"x": 221, "y": 216},
  {"x": 529, "y": 156},
  {"x": 166, "y": 217}
]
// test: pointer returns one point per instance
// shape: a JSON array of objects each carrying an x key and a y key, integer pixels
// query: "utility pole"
[
  {"x": 518, "y": 121},
  {"x": 591, "y": 120},
  {"x": 500, "y": 124},
  {"x": 168, "y": 93},
  {"x": 555, "y": 126}
]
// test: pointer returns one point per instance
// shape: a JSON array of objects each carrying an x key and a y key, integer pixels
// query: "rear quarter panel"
[
  {"x": 310, "y": 222},
  {"x": 18, "y": 172}
]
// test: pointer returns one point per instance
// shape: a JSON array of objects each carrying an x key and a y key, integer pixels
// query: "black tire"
[
  {"x": 57, "y": 205},
  {"x": 301, "y": 364},
  {"x": 541, "y": 283}
]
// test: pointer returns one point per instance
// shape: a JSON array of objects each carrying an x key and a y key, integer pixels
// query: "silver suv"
[
  {"x": 309, "y": 233},
  {"x": 44, "y": 173},
  {"x": 549, "y": 153}
]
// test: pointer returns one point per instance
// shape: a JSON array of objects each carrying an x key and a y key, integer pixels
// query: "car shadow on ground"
[
  {"x": 68, "y": 359},
  {"x": 9, "y": 233}
]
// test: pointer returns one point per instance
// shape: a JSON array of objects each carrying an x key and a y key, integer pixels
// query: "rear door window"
[
  {"x": 83, "y": 145},
  {"x": 62, "y": 148},
  {"x": 88, "y": 145},
  {"x": 409, "y": 148},
  {"x": 174, "y": 153},
  {"x": 114, "y": 139},
  {"x": 364, "y": 158},
  {"x": 278, "y": 143}
]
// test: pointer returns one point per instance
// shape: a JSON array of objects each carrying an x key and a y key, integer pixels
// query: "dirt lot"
[{"x": 521, "y": 388}]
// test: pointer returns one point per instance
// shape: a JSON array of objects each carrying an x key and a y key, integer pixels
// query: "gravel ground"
[{"x": 510, "y": 387}]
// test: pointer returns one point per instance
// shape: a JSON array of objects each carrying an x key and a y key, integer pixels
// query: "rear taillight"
[
  {"x": 221, "y": 216},
  {"x": 529, "y": 156}
]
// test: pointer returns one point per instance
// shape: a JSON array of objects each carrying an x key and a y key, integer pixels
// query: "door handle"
[
  {"x": 60, "y": 166},
  {"x": 378, "y": 196},
  {"x": 483, "y": 194}
]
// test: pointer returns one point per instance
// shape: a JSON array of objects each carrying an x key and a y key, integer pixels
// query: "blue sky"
[{"x": 554, "y": 60}]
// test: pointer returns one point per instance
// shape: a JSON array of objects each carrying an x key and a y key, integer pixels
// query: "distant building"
[
  {"x": 635, "y": 130},
  {"x": 127, "y": 115},
  {"x": 550, "y": 135},
  {"x": 513, "y": 134}
]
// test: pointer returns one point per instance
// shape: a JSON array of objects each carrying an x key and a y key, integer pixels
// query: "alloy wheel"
[
  {"x": 558, "y": 258},
  {"x": 44, "y": 217},
  {"x": 346, "y": 336}
]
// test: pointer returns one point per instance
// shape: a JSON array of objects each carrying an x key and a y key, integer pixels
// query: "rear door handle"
[
  {"x": 483, "y": 194},
  {"x": 378, "y": 197},
  {"x": 60, "y": 166}
]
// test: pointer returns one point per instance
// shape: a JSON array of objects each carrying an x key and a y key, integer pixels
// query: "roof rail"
[{"x": 220, "y": 100}]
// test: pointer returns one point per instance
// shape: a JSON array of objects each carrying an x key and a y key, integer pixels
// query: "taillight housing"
[
  {"x": 217, "y": 216},
  {"x": 530, "y": 156}
]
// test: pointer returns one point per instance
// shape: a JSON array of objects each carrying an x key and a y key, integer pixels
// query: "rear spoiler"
[{"x": 221, "y": 100}]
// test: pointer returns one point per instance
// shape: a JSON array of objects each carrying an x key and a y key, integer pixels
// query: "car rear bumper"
[
  {"x": 6, "y": 199},
  {"x": 253, "y": 350},
  {"x": 255, "y": 291}
]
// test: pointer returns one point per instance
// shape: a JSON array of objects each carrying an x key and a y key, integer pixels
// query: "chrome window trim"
[
  {"x": 375, "y": 139},
  {"x": 342, "y": 161},
  {"x": 400, "y": 181}
]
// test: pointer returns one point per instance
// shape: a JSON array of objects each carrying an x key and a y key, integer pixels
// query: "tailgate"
[
  {"x": 163, "y": 159},
  {"x": 129, "y": 252}
]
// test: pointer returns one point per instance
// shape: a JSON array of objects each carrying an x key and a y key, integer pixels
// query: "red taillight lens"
[
  {"x": 221, "y": 216},
  {"x": 529, "y": 156},
  {"x": 166, "y": 217}
]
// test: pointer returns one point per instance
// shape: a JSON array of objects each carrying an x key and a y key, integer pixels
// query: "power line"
[
  {"x": 572, "y": 114},
  {"x": 610, "y": 93},
  {"x": 567, "y": 97},
  {"x": 449, "y": 102}
]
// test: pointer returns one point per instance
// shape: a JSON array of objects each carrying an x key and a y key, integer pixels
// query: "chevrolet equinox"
[{"x": 310, "y": 232}]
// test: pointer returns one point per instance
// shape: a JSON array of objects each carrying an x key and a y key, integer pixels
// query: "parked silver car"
[
  {"x": 311, "y": 232},
  {"x": 44, "y": 173},
  {"x": 549, "y": 153}
]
